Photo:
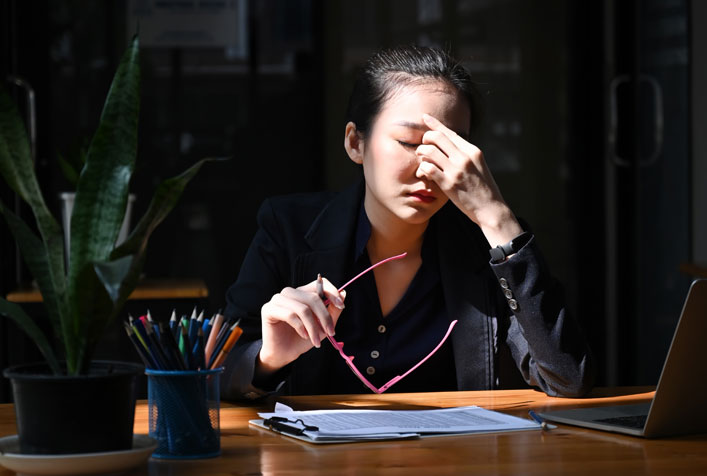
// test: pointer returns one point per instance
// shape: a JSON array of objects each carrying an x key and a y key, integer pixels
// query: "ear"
[{"x": 353, "y": 143}]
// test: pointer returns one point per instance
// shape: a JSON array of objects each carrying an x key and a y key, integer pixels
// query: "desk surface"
[{"x": 248, "y": 450}]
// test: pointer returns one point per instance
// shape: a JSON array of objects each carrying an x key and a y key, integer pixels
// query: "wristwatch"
[{"x": 501, "y": 252}]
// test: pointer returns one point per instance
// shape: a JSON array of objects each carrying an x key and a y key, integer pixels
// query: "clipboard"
[{"x": 349, "y": 426}]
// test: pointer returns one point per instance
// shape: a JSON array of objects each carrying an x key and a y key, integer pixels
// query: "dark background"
[{"x": 613, "y": 216}]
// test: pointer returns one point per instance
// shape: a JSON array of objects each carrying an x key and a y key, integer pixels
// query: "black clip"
[{"x": 281, "y": 424}]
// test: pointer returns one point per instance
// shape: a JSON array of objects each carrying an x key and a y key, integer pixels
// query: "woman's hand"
[
  {"x": 459, "y": 169},
  {"x": 294, "y": 321}
]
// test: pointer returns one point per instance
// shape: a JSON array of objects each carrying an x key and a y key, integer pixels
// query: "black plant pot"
[{"x": 60, "y": 414}]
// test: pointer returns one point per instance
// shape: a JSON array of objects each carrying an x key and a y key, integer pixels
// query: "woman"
[{"x": 427, "y": 192}]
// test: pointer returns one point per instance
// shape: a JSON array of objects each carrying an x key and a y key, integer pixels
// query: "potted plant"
[{"x": 86, "y": 293}]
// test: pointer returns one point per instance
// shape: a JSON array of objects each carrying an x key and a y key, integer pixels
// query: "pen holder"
[{"x": 183, "y": 407}]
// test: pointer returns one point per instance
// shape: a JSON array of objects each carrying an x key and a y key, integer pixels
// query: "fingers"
[
  {"x": 303, "y": 310},
  {"x": 335, "y": 312},
  {"x": 279, "y": 310},
  {"x": 333, "y": 295},
  {"x": 430, "y": 171},
  {"x": 450, "y": 137}
]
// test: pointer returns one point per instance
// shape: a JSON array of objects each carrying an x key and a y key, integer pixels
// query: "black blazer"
[{"x": 538, "y": 344}]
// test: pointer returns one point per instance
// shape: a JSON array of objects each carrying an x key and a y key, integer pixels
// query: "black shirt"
[{"x": 384, "y": 347}]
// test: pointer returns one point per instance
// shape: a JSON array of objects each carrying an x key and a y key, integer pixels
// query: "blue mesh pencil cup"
[{"x": 183, "y": 407}]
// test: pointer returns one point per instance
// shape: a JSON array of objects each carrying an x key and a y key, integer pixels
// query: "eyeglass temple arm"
[
  {"x": 402, "y": 255},
  {"x": 349, "y": 360},
  {"x": 396, "y": 379}
]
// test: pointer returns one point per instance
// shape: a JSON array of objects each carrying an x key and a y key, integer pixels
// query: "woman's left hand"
[{"x": 459, "y": 169}]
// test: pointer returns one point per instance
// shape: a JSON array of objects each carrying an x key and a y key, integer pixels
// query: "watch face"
[{"x": 497, "y": 254}]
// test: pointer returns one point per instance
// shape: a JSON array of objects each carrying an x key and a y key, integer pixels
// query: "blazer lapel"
[{"x": 331, "y": 238}]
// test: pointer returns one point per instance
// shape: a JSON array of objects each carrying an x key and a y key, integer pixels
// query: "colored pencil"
[
  {"x": 234, "y": 334},
  {"x": 216, "y": 323},
  {"x": 141, "y": 351}
]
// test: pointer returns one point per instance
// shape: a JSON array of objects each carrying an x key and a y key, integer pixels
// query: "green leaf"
[
  {"x": 97, "y": 310},
  {"x": 35, "y": 256},
  {"x": 17, "y": 168},
  {"x": 18, "y": 171},
  {"x": 112, "y": 273},
  {"x": 16, "y": 164},
  {"x": 24, "y": 322},
  {"x": 163, "y": 201},
  {"x": 102, "y": 192}
]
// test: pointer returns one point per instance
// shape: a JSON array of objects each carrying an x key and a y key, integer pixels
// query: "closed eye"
[{"x": 407, "y": 144}]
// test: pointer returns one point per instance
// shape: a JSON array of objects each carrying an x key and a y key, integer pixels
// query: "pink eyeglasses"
[{"x": 349, "y": 358}]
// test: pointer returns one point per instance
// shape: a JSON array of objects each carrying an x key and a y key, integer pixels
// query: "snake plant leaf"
[
  {"x": 102, "y": 191},
  {"x": 35, "y": 256},
  {"x": 163, "y": 201},
  {"x": 97, "y": 307},
  {"x": 17, "y": 170},
  {"x": 24, "y": 322},
  {"x": 16, "y": 167},
  {"x": 112, "y": 274}
]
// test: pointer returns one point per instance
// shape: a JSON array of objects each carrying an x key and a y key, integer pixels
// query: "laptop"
[{"x": 679, "y": 406}]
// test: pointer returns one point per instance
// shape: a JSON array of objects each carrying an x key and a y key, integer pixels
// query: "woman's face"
[{"x": 393, "y": 192}]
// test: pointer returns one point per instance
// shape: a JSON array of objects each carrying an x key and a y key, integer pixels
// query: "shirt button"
[
  {"x": 381, "y": 328},
  {"x": 370, "y": 370},
  {"x": 508, "y": 293},
  {"x": 375, "y": 354},
  {"x": 504, "y": 283},
  {"x": 513, "y": 304}
]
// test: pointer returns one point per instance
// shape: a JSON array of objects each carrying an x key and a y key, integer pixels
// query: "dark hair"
[{"x": 388, "y": 70}]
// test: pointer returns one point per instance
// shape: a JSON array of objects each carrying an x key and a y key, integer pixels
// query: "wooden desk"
[
  {"x": 565, "y": 450},
  {"x": 147, "y": 289}
]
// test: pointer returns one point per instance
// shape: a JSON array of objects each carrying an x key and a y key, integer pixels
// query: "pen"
[
  {"x": 538, "y": 420},
  {"x": 320, "y": 287}
]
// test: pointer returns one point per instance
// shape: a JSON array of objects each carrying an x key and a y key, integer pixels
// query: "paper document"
[{"x": 321, "y": 426}]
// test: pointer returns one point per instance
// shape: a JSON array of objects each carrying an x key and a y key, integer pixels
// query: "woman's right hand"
[{"x": 294, "y": 321}]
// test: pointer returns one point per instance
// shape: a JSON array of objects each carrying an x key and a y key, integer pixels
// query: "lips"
[{"x": 423, "y": 196}]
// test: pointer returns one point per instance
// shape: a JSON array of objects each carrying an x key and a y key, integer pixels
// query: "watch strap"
[{"x": 501, "y": 252}]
